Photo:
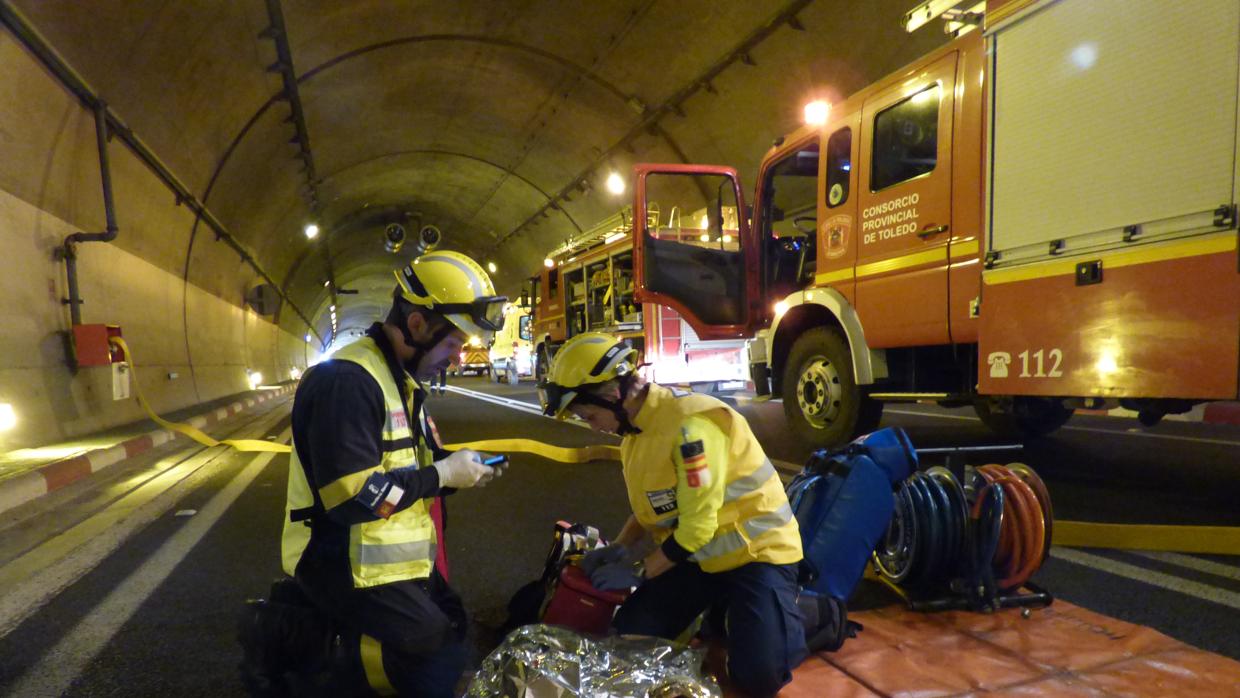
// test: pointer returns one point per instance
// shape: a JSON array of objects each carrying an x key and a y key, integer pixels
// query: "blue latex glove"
[
  {"x": 616, "y": 576},
  {"x": 603, "y": 556}
]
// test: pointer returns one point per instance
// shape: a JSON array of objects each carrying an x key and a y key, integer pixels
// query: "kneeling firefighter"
[
  {"x": 369, "y": 604},
  {"x": 711, "y": 526}
]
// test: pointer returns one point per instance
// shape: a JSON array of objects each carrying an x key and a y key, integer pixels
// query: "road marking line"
[
  {"x": 44, "y": 571},
  {"x": 1170, "y": 582},
  {"x": 514, "y": 404},
  {"x": 1217, "y": 569},
  {"x": 1172, "y": 437},
  {"x": 60, "y": 666},
  {"x": 930, "y": 414}
]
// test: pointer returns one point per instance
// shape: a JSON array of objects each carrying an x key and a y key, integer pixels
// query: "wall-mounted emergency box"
[{"x": 91, "y": 347}]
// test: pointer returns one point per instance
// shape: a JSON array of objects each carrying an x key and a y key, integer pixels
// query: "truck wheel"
[
  {"x": 1021, "y": 417},
  {"x": 494, "y": 374},
  {"x": 822, "y": 401}
]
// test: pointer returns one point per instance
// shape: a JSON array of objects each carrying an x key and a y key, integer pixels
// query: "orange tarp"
[{"x": 1063, "y": 650}]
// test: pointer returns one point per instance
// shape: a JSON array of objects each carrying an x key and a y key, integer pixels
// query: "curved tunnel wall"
[{"x": 50, "y": 188}]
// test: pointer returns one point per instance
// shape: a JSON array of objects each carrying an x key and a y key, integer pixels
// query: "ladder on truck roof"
[{"x": 606, "y": 230}]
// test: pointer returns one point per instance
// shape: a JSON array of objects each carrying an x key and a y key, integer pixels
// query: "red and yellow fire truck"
[
  {"x": 586, "y": 284},
  {"x": 1038, "y": 216}
]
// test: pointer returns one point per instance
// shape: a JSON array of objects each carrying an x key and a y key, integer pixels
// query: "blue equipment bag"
[{"x": 843, "y": 502}]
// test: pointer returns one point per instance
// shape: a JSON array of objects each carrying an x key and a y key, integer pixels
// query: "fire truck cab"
[{"x": 1058, "y": 234}]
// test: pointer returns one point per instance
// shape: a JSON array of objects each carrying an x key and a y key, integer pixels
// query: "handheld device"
[{"x": 495, "y": 460}]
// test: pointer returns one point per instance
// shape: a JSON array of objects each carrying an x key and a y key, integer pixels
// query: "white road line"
[
  {"x": 1217, "y": 569},
  {"x": 931, "y": 414},
  {"x": 1172, "y": 437},
  {"x": 1170, "y": 582},
  {"x": 59, "y": 667},
  {"x": 1113, "y": 432},
  {"x": 512, "y": 404}
]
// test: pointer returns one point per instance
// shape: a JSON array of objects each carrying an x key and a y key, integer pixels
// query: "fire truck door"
[
  {"x": 905, "y": 202},
  {"x": 693, "y": 249}
]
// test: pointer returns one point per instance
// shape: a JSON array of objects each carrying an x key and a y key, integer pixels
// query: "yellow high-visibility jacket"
[
  {"x": 697, "y": 474},
  {"x": 385, "y": 550}
]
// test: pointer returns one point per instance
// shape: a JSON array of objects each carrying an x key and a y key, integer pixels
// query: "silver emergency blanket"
[{"x": 544, "y": 661}]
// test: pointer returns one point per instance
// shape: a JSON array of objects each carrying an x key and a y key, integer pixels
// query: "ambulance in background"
[
  {"x": 474, "y": 359},
  {"x": 587, "y": 285},
  {"x": 1037, "y": 217},
  {"x": 512, "y": 348}
]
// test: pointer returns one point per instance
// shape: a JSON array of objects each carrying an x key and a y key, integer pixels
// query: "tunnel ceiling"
[{"x": 477, "y": 116}]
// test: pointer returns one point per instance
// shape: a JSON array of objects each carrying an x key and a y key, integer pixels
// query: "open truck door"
[{"x": 694, "y": 251}]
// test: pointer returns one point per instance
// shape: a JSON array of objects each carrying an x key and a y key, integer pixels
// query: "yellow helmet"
[
  {"x": 455, "y": 286},
  {"x": 591, "y": 358}
]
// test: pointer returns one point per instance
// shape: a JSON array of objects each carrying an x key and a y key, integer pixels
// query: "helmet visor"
[{"x": 487, "y": 313}]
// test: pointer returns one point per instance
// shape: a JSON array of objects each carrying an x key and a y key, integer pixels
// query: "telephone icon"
[{"x": 999, "y": 361}]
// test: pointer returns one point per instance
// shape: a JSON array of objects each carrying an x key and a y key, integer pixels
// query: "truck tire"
[
  {"x": 1024, "y": 418},
  {"x": 822, "y": 401},
  {"x": 494, "y": 374}
]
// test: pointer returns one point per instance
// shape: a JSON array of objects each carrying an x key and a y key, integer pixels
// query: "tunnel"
[
  {"x": 230, "y": 130},
  {"x": 977, "y": 256}
]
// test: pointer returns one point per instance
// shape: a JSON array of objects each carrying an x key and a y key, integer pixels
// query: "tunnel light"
[
  {"x": 8, "y": 417},
  {"x": 549, "y": 263},
  {"x": 294, "y": 373},
  {"x": 256, "y": 379},
  {"x": 331, "y": 308},
  {"x": 613, "y": 237},
  {"x": 816, "y": 112},
  {"x": 307, "y": 338},
  {"x": 491, "y": 267},
  {"x": 705, "y": 222},
  {"x": 327, "y": 283},
  {"x": 781, "y": 308},
  {"x": 615, "y": 183},
  {"x": 726, "y": 239},
  {"x": 312, "y": 232},
  {"x": 704, "y": 237}
]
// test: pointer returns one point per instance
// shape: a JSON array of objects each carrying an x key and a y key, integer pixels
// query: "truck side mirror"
[{"x": 525, "y": 299}]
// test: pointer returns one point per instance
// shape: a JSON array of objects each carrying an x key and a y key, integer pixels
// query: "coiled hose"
[{"x": 988, "y": 534}]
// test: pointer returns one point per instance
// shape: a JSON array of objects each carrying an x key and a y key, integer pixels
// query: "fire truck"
[
  {"x": 1037, "y": 217},
  {"x": 587, "y": 284}
]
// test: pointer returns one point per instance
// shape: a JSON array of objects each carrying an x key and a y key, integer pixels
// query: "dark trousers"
[
  {"x": 766, "y": 639},
  {"x": 420, "y": 624}
]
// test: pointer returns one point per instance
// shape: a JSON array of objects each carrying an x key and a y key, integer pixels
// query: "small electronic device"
[{"x": 495, "y": 460}]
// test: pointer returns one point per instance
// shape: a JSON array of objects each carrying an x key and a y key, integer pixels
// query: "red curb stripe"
[
  {"x": 138, "y": 445},
  {"x": 65, "y": 472}
]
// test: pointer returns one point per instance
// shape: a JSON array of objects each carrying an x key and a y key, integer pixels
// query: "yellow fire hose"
[
  {"x": 583, "y": 454},
  {"x": 1219, "y": 540}
]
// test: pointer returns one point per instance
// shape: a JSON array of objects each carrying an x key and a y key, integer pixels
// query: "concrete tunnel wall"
[{"x": 194, "y": 324}]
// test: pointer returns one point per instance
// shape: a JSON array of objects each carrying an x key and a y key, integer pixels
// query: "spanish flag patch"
[{"x": 697, "y": 470}]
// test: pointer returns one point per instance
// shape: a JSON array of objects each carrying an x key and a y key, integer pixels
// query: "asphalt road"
[{"x": 155, "y": 615}]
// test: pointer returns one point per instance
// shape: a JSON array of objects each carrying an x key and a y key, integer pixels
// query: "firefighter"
[
  {"x": 369, "y": 603},
  {"x": 711, "y": 525}
]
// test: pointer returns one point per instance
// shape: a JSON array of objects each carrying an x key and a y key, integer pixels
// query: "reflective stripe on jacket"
[
  {"x": 754, "y": 521},
  {"x": 382, "y": 551}
]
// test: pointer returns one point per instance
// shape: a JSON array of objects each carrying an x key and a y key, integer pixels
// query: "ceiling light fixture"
[{"x": 615, "y": 183}]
